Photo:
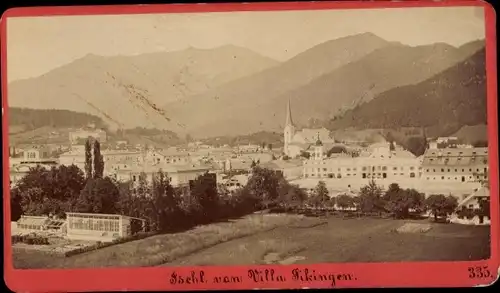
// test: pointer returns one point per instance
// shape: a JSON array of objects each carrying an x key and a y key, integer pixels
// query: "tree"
[
  {"x": 393, "y": 188},
  {"x": 291, "y": 195},
  {"x": 400, "y": 201},
  {"x": 98, "y": 161},
  {"x": 330, "y": 203},
  {"x": 263, "y": 187},
  {"x": 100, "y": 195},
  {"x": 88, "y": 160},
  {"x": 370, "y": 198},
  {"x": 164, "y": 206},
  {"x": 189, "y": 207},
  {"x": 126, "y": 205},
  {"x": 204, "y": 189},
  {"x": 41, "y": 191},
  {"x": 440, "y": 205},
  {"x": 345, "y": 201},
  {"x": 417, "y": 145},
  {"x": 142, "y": 188},
  {"x": 320, "y": 195},
  {"x": 16, "y": 209},
  {"x": 139, "y": 198}
]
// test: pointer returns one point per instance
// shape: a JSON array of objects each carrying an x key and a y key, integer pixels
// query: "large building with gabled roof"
[{"x": 455, "y": 164}]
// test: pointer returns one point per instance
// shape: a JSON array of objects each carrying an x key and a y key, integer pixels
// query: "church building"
[{"x": 304, "y": 140}]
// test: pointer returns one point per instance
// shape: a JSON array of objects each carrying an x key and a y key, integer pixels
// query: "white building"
[
  {"x": 179, "y": 175},
  {"x": 472, "y": 201},
  {"x": 291, "y": 169},
  {"x": 235, "y": 182},
  {"x": 379, "y": 163},
  {"x": 32, "y": 157},
  {"x": 455, "y": 165},
  {"x": 111, "y": 157},
  {"x": 98, "y": 227},
  {"x": 342, "y": 172}
]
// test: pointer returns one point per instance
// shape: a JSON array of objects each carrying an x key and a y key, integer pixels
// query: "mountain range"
[
  {"x": 231, "y": 90},
  {"x": 126, "y": 90},
  {"x": 443, "y": 104},
  {"x": 355, "y": 83}
]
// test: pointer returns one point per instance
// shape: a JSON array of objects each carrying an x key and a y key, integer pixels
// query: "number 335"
[{"x": 479, "y": 272}]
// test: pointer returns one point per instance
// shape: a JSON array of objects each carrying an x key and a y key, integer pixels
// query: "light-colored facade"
[
  {"x": 291, "y": 169},
  {"x": 455, "y": 165},
  {"x": 111, "y": 157},
  {"x": 73, "y": 157},
  {"x": 381, "y": 163},
  {"x": 173, "y": 156},
  {"x": 97, "y": 227},
  {"x": 32, "y": 157},
  {"x": 472, "y": 201},
  {"x": 38, "y": 224},
  {"x": 179, "y": 175},
  {"x": 235, "y": 182},
  {"x": 343, "y": 172},
  {"x": 36, "y": 154}
]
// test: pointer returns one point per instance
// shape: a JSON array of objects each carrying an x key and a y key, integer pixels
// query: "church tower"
[
  {"x": 289, "y": 130},
  {"x": 318, "y": 149}
]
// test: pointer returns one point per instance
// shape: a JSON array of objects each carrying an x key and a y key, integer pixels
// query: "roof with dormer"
[{"x": 456, "y": 157}]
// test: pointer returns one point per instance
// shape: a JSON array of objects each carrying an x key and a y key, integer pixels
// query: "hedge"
[{"x": 30, "y": 239}]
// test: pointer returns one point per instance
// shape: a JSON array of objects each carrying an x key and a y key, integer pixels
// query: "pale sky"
[{"x": 36, "y": 45}]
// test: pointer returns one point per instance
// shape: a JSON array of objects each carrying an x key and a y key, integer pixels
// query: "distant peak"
[
  {"x": 366, "y": 35},
  {"x": 442, "y": 45},
  {"x": 91, "y": 55}
]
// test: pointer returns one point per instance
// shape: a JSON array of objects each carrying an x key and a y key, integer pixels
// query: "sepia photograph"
[{"x": 248, "y": 138}]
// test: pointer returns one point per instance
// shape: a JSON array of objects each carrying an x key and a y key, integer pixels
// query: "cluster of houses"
[{"x": 457, "y": 170}]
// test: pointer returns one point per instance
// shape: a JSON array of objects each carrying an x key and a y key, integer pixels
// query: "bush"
[{"x": 30, "y": 239}]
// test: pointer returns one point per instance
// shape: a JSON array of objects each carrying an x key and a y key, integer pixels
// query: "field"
[{"x": 286, "y": 239}]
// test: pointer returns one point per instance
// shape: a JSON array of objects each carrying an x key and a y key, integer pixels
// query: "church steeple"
[
  {"x": 318, "y": 141},
  {"x": 289, "y": 130},
  {"x": 289, "y": 121}
]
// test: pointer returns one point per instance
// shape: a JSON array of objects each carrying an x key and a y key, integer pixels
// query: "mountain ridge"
[
  {"x": 135, "y": 82},
  {"x": 444, "y": 103},
  {"x": 365, "y": 78},
  {"x": 322, "y": 82}
]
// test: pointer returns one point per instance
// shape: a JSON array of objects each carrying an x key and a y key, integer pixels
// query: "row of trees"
[{"x": 401, "y": 203}]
